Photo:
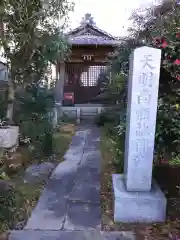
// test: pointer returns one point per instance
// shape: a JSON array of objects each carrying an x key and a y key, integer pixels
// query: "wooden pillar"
[
  {"x": 59, "y": 88},
  {"x": 110, "y": 77}
]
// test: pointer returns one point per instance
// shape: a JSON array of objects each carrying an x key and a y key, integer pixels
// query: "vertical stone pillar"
[
  {"x": 136, "y": 197},
  {"x": 141, "y": 117}
]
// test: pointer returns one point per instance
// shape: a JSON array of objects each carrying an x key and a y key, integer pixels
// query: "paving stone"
[
  {"x": 88, "y": 177},
  {"x": 38, "y": 172},
  {"x": 88, "y": 174},
  {"x": 94, "y": 142},
  {"x": 69, "y": 235},
  {"x": 49, "y": 215},
  {"x": 51, "y": 208},
  {"x": 86, "y": 192},
  {"x": 93, "y": 234},
  {"x": 91, "y": 155},
  {"x": 65, "y": 168},
  {"x": 83, "y": 216},
  {"x": 77, "y": 141},
  {"x": 91, "y": 161},
  {"x": 74, "y": 154},
  {"x": 47, "y": 235},
  {"x": 61, "y": 187},
  {"x": 123, "y": 235}
]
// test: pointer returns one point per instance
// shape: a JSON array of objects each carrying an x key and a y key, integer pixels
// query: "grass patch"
[
  {"x": 106, "y": 182},
  {"x": 21, "y": 202},
  {"x": 62, "y": 138},
  {"x": 142, "y": 231}
]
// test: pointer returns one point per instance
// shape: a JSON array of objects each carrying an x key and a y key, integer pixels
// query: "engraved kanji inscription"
[
  {"x": 146, "y": 79},
  {"x": 136, "y": 159},
  {"x": 142, "y": 114},
  {"x": 142, "y": 126},
  {"x": 139, "y": 133},
  {"x": 144, "y": 97},
  {"x": 143, "y": 132},
  {"x": 138, "y": 125},
  {"x": 141, "y": 146},
  {"x": 147, "y": 61}
]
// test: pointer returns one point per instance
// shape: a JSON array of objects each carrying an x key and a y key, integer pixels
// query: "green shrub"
[
  {"x": 112, "y": 116},
  {"x": 33, "y": 108},
  {"x": 3, "y": 104},
  {"x": 115, "y": 136},
  {"x": 104, "y": 118},
  {"x": 7, "y": 204},
  {"x": 40, "y": 133},
  {"x": 167, "y": 139}
]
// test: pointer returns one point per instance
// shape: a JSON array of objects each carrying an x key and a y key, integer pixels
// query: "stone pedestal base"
[
  {"x": 138, "y": 206},
  {"x": 9, "y": 137}
]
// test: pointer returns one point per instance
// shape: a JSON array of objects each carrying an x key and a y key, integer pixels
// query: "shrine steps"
[{"x": 83, "y": 111}]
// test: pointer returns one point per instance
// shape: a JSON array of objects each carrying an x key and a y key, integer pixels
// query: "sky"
[{"x": 111, "y": 16}]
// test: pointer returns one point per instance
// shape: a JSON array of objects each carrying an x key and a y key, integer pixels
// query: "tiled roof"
[
  {"x": 94, "y": 27},
  {"x": 92, "y": 40},
  {"x": 89, "y": 34}
]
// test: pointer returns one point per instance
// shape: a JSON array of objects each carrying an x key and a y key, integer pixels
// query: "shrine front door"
[{"x": 83, "y": 80}]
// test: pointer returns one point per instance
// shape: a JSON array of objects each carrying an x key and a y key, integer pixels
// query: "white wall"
[{"x": 2, "y": 59}]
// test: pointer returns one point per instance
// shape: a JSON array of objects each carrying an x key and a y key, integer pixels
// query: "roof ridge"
[{"x": 94, "y": 27}]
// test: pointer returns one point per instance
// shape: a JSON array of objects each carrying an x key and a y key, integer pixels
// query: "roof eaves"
[{"x": 94, "y": 27}]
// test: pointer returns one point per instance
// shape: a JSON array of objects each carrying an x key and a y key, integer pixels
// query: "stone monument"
[{"x": 137, "y": 198}]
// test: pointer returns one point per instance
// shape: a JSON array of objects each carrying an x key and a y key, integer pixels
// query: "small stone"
[{"x": 38, "y": 172}]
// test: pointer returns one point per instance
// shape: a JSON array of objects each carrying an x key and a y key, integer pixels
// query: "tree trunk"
[{"x": 11, "y": 98}]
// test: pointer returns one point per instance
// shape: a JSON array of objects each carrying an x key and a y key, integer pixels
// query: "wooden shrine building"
[{"x": 78, "y": 76}]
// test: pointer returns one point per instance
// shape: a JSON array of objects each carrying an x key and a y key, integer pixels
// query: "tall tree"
[
  {"x": 32, "y": 37},
  {"x": 160, "y": 27}
]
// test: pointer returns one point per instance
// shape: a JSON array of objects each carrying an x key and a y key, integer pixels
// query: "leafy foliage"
[
  {"x": 116, "y": 92},
  {"x": 32, "y": 108},
  {"x": 35, "y": 99},
  {"x": 114, "y": 136},
  {"x": 168, "y": 118},
  {"x": 158, "y": 26},
  {"x": 7, "y": 204},
  {"x": 120, "y": 60},
  {"x": 31, "y": 39},
  {"x": 3, "y": 104}
]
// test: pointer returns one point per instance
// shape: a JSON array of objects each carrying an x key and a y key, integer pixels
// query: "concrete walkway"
[
  {"x": 69, "y": 207},
  {"x": 71, "y": 199}
]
